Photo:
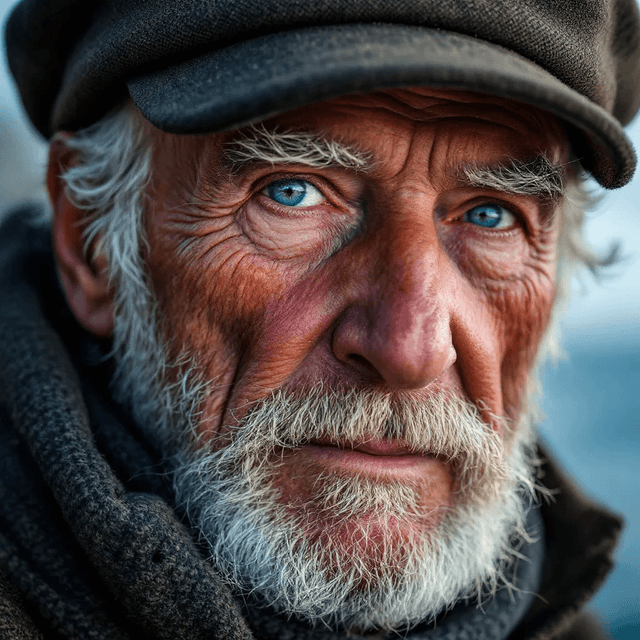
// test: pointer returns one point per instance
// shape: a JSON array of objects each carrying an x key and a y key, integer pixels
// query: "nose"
[{"x": 397, "y": 330}]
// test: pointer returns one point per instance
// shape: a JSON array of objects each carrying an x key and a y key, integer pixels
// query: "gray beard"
[{"x": 259, "y": 547}]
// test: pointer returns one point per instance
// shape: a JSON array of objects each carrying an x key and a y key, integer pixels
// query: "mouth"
[
  {"x": 373, "y": 447},
  {"x": 370, "y": 457},
  {"x": 307, "y": 470}
]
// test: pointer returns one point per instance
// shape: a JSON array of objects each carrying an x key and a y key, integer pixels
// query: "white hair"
[
  {"x": 538, "y": 177},
  {"x": 111, "y": 169},
  {"x": 108, "y": 180}
]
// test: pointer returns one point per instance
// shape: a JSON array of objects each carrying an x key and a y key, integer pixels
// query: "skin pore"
[{"x": 384, "y": 282}]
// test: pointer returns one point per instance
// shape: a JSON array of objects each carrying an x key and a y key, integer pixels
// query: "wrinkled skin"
[{"x": 384, "y": 283}]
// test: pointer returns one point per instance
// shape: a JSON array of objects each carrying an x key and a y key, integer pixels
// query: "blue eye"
[
  {"x": 490, "y": 216},
  {"x": 294, "y": 193}
]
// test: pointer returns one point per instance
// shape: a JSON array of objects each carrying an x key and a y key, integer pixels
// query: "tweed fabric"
[
  {"x": 73, "y": 60},
  {"x": 90, "y": 546}
]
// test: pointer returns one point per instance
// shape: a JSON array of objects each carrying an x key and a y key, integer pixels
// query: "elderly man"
[{"x": 269, "y": 371}]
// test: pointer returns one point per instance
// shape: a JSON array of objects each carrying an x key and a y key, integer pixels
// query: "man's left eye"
[
  {"x": 294, "y": 193},
  {"x": 490, "y": 216}
]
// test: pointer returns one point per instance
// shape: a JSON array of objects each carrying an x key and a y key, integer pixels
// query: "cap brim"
[{"x": 255, "y": 79}]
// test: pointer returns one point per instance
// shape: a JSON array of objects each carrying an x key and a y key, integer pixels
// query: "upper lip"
[{"x": 372, "y": 447}]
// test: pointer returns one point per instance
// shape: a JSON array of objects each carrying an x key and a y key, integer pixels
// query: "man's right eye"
[
  {"x": 490, "y": 216},
  {"x": 294, "y": 193}
]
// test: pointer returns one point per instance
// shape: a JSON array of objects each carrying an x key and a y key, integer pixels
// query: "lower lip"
[{"x": 366, "y": 463}]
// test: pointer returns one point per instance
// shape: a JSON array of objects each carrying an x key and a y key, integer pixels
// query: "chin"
[
  {"x": 365, "y": 519},
  {"x": 329, "y": 561},
  {"x": 353, "y": 571}
]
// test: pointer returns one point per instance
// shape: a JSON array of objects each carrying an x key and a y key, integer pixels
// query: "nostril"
[{"x": 360, "y": 362}]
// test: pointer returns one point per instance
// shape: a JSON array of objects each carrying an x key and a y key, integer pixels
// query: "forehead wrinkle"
[
  {"x": 538, "y": 177},
  {"x": 257, "y": 144},
  {"x": 441, "y": 105}
]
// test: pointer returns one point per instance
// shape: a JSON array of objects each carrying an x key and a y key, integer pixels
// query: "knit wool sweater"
[{"x": 91, "y": 545}]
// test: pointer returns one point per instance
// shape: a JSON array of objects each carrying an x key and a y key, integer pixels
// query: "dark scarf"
[{"x": 90, "y": 546}]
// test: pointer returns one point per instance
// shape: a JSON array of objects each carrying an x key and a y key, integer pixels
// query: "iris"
[
  {"x": 490, "y": 216},
  {"x": 288, "y": 192}
]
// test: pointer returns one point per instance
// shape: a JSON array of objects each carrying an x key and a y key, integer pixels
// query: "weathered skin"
[{"x": 382, "y": 284}]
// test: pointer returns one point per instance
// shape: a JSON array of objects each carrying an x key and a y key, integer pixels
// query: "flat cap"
[{"x": 197, "y": 66}]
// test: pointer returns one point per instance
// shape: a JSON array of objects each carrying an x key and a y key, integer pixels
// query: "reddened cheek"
[
  {"x": 524, "y": 310},
  {"x": 483, "y": 254}
]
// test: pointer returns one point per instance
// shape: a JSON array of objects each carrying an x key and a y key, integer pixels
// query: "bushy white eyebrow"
[
  {"x": 536, "y": 177},
  {"x": 258, "y": 144}
]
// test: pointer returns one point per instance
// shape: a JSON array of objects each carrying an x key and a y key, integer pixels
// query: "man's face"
[
  {"x": 401, "y": 244},
  {"x": 403, "y": 277}
]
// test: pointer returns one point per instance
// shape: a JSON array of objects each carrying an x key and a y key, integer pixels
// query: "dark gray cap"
[{"x": 198, "y": 66}]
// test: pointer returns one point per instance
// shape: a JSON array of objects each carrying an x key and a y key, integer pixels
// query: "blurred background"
[{"x": 592, "y": 399}]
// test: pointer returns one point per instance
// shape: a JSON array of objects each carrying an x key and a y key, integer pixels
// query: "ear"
[{"x": 84, "y": 278}]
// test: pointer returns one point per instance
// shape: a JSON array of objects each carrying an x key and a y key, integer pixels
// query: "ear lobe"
[{"x": 85, "y": 281}]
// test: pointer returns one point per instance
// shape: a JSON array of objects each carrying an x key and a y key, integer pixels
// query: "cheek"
[
  {"x": 488, "y": 259},
  {"x": 514, "y": 275},
  {"x": 246, "y": 321},
  {"x": 523, "y": 310},
  {"x": 212, "y": 300},
  {"x": 197, "y": 297}
]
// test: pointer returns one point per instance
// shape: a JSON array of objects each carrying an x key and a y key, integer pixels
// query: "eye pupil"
[
  {"x": 287, "y": 192},
  {"x": 485, "y": 215}
]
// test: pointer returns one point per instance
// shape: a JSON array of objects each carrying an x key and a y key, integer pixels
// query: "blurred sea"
[{"x": 592, "y": 401}]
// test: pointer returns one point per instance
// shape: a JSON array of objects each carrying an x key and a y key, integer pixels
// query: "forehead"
[
  {"x": 435, "y": 131},
  {"x": 478, "y": 124}
]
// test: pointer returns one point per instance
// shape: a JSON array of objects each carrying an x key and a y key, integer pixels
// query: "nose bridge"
[
  {"x": 409, "y": 310},
  {"x": 409, "y": 251},
  {"x": 406, "y": 292},
  {"x": 406, "y": 336},
  {"x": 409, "y": 255}
]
